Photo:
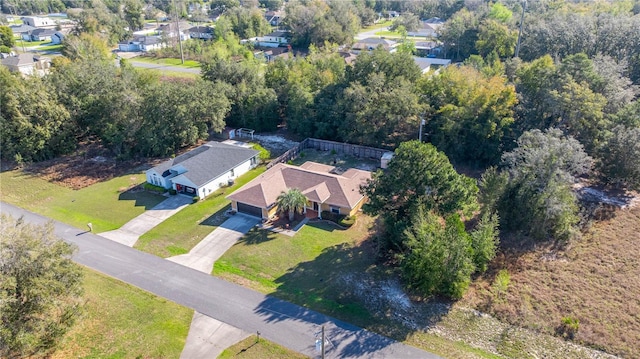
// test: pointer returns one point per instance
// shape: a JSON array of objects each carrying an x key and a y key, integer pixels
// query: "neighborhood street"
[{"x": 284, "y": 323}]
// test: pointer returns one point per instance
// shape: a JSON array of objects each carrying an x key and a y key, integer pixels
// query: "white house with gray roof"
[{"x": 203, "y": 170}]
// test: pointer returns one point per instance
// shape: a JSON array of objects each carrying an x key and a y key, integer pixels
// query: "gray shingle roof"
[{"x": 208, "y": 161}]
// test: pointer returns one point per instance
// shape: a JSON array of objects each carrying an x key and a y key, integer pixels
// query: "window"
[
  {"x": 335, "y": 210},
  {"x": 232, "y": 172}
]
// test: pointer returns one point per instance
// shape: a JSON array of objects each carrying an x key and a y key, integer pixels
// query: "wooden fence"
[{"x": 324, "y": 145}]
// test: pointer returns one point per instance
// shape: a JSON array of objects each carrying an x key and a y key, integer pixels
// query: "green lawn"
[
  {"x": 56, "y": 47},
  {"x": 185, "y": 229},
  {"x": 379, "y": 25},
  {"x": 263, "y": 349},
  {"x": 121, "y": 321},
  {"x": 318, "y": 268},
  {"x": 302, "y": 269},
  {"x": 21, "y": 43},
  {"x": 165, "y": 73},
  {"x": 172, "y": 62},
  {"x": 107, "y": 205}
]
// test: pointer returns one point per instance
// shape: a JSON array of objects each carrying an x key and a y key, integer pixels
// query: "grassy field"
[
  {"x": 337, "y": 160},
  {"x": 263, "y": 349},
  {"x": 181, "y": 232},
  {"x": 335, "y": 272},
  {"x": 315, "y": 269},
  {"x": 596, "y": 281},
  {"x": 21, "y": 43},
  {"x": 107, "y": 205},
  {"x": 121, "y": 321},
  {"x": 56, "y": 47},
  {"x": 379, "y": 25},
  {"x": 173, "y": 62},
  {"x": 171, "y": 74}
]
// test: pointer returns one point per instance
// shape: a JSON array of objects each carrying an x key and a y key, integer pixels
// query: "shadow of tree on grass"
[
  {"x": 345, "y": 282},
  {"x": 257, "y": 236}
]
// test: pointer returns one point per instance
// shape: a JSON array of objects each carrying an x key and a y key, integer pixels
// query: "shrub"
[
  {"x": 173, "y": 192},
  {"x": 347, "y": 221},
  {"x": 195, "y": 199},
  {"x": 569, "y": 327},
  {"x": 264, "y": 155},
  {"x": 153, "y": 188},
  {"x": 501, "y": 284},
  {"x": 340, "y": 219}
]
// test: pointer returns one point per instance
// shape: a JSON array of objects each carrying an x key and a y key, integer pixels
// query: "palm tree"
[{"x": 292, "y": 201}]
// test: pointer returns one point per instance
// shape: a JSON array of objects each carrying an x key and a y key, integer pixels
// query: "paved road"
[
  {"x": 281, "y": 322},
  {"x": 147, "y": 65}
]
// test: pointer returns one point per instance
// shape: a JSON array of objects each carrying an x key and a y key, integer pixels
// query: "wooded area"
[{"x": 566, "y": 109}]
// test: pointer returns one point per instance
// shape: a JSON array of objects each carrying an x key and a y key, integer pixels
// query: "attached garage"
[{"x": 251, "y": 210}]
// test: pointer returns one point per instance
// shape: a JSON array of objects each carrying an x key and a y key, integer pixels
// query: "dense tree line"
[{"x": 90, "y": 98}]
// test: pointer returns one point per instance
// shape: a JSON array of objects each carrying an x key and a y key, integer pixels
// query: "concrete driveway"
[
  {"x": 132, "y": 230},
  {"x": 209, "y": 337},
  {"x": 213, "y": 246}
]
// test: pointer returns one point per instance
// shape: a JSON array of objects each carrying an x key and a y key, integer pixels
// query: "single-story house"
[
  {"x": 21, "y": 30},
  {"x": 40, "y": 35},
  {"x": 325, "y": 189},
  {"x": 429, "y": 63},
  {"x": 274, "y": 39},
  {"x": 274, "y": 17},
  {"x": 141, "y": 43},
  {"x": 371, "y": 43},
  {"x": 37, "y": 21},
  {"x": 428, "y": 28},
  {"x": 203, "y": 170},
  {"x": 170, "y": 30},
  {"x": 201, "y": 32},
  {"x": 27, "y": 64}
]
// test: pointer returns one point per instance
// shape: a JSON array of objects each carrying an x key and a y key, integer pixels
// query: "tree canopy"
[
  {"x": 418, "y": 175},
  {"x": 40, "y": 288}
]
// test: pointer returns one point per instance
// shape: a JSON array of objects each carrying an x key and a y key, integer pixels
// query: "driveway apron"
[
  {"x": 129, "y": 233},
  {"x": 214, "y": 245}
]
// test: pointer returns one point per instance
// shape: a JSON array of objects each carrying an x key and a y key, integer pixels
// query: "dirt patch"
[{"x": 85, "y": 168}]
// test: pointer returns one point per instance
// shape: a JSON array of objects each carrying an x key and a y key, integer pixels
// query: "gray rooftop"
[
  {"x": 208, "y": 161},
  {"x": 20, "y": 29}
]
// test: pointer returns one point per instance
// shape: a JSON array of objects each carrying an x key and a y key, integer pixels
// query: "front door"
[{"x": 315, "y": 206}]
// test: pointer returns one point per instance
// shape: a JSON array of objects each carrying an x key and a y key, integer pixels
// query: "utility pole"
[
  {"x": 524, "y": 7},
  {"x": 322, "y": 344},
  {"x": 175, "y": 9}
]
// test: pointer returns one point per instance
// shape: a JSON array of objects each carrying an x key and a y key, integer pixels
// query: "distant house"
[
  {"x": 427, "y": 64},
  {"x": 40, "y": 35},
  {"x": 21, "y": 30},
  {"x": 203, "y": 170},
  {"x": 170, "y": 30},
  {"x": 57, "y": 37},
  {"x": 201, "y": 32},
  {"x": 274, "y": 17},
  {"x": 28, "y": 64},
  {"x": 37, "y": 21},
  {"x": 372, "y": 43},
  {"x": 274, "y": 39},
  {"x": 324, "y": 188},
  {"x": 428, "y": 28},
  {"x": 272, "y": 53},
  {"x": 141, "y": 44},
  {"x": 426, "y": 48}
]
